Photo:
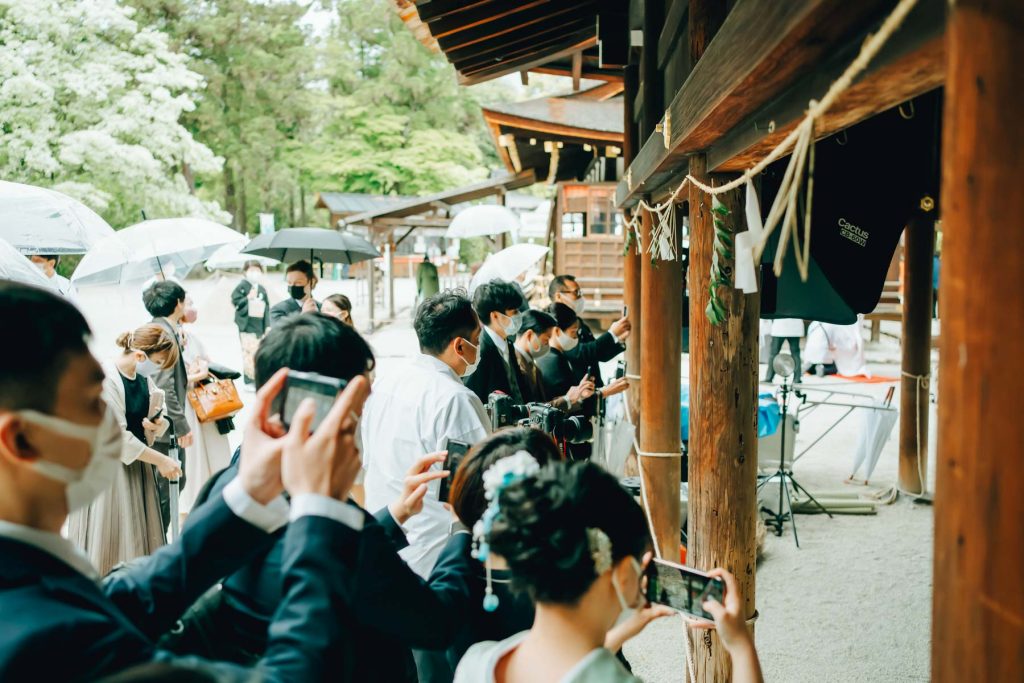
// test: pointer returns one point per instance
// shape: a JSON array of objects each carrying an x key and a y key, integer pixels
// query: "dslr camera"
[
  {"x": 503, "y": 412},
  {"x": 559, "y": 424}
]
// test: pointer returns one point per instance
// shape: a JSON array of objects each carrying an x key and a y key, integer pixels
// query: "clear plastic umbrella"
[
  {"x": 482, "y": 220},
  {"x": 36, "y": 220},
  {"x": 15, "y": 266},
  {"x": 230, "y": 257},
  {"x": 508, "y": 264},
  {"x": 146, "y": 249}
]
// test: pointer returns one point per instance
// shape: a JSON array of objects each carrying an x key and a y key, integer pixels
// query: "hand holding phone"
[
  {"x": 302, "y": 385},
  {"x": 456, "y": 452},
  {"x": 682, "y": 588}
]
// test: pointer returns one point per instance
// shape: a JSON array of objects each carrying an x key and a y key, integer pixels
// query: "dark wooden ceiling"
[{"x": 485, "y": 39}]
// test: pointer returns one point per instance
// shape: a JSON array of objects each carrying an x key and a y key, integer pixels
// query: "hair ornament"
[
  {"x": 600, "y": 549},
  {"x": 501, "y": 474}
]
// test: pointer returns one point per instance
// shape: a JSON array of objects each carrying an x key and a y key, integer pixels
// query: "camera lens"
[{"x": 577, "y": 429}]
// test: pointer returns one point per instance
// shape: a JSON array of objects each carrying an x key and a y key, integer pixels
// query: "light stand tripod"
[{"x": 784, "y": 366}]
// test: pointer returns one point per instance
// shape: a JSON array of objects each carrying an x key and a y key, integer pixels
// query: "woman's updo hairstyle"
[
  {"x": 467, "y": 495},
  {"x": 150, "y": 338},
  {"x": 542, "y": 529}
]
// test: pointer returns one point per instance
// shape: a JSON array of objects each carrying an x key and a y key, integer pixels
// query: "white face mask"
[
  {"x": 538, "y": 349},
  {"x": 579, "y": 305},
  {"x": 147, "y": 368},
  {"x": 86, "y": 484},
  {"x": 470, "y": 367},
  {"x": 510, "y": 325},
  {"x": 253, "y": 275},
  {"x": 627, "y": 609},
  {"x": 566, "y": 342}
]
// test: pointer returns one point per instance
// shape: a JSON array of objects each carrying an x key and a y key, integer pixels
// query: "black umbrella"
[{"x": 330, "y": 246}]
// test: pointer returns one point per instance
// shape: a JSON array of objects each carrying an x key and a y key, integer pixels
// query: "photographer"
[
  {"x": 533, "y": 343},
  {"x": 497, "y": 303},
  {"x": 60, "y": 445},
  {"x": 590, "y": 350}
]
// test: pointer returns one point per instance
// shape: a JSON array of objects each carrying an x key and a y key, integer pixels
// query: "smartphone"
[
  {"x": 682, "y": 588},
  {"x": 302, "y": 385},
  {"x": 456, "y": 452},
  {"x": 620, "y": 369},
  {"x": 625, "y": 311},
  {"x": 156, "y": 417}
]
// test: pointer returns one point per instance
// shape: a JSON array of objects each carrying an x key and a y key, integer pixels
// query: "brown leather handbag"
[{"x": 215, "y": 400}]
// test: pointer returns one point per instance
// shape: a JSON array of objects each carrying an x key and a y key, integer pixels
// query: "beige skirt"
[{"x": 123, "y": 523}]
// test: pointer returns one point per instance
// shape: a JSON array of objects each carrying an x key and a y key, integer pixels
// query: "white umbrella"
[
  {"x": 146, "y": 249},
  {"x": 230, "y": 257},
  {"x": 36, "y": 220},
  {"x": 508, "y": 264},
  {"x": 481, "y": 220},
  {"x": 15, "y": 266}
]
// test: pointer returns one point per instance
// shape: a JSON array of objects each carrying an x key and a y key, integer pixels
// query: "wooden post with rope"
[
  {"x": 661, "y": 350},
  {"x": 978, "y": 597},
  {"x": 632, "y": 279},
  {"x": 723, "y": 420},
  {"x": 919, "y": 245}
]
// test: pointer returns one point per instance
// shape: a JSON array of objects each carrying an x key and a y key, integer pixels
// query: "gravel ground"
[{"x": 852, "y": 604}]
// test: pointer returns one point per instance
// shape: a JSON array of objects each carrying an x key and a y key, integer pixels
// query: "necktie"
[{"x": 512, "y": 374}]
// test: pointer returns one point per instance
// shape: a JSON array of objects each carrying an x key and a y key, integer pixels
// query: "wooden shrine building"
[{"x": 710, "y": 89}]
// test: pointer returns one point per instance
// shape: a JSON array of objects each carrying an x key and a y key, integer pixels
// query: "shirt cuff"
[
  {"x": 307, "y": 504},
  {"x": 269, "y": 517},
  {"x": 617, "y": 340}
]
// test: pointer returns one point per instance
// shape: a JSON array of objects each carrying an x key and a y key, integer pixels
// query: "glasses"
[{"x": 574, "y": 293}]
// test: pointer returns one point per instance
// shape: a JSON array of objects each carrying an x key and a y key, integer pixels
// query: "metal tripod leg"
[
  {"x": 789, "y": 504},
  {"x": 797, "y": 487}
]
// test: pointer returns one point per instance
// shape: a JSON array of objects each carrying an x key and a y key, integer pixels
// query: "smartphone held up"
[
  {"x": 456, "y": 452},
  {"x": 682, "y": 588},
  {"x": 299, "y": 386}
]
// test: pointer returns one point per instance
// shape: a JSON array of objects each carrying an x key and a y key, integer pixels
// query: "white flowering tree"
[{"x": 90, "y": 104}]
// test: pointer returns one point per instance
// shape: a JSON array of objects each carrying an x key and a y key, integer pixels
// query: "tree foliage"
[{"x": 90, "y": 104}]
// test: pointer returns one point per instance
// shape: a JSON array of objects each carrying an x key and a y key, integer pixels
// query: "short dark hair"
[
  {"x": 161, "y": 298},
  {"x": 563, "y": 315},
  {"x": 313, "y": 342},
  {"x": 467, "y": 495},
  {"x": 536, "y": 322},
  {"x": 541, "y": 529},
  {"x": 442, "y": 318},
  {"x": 303, "y": 266},
  {"x": 34, "y": 356},
  {"x": 50, "y": 257},
  {"x": 495, "y": 295},
  {"x": 558, "y": 284}
]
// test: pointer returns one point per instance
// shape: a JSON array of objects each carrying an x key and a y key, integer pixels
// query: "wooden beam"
[
  {"x": 412, "y": 222},
  {"x": 433, "y": 10},
  {"x": 515, "y": 24},
  {"x": 916, "y": 347},
  {"x": 526, "y": 43},
  {"x": 661, "y": 355},
  {"x": 705, "y": 19},
  {"x": 673, "y": 28},
  {"x": 910, "y": 64},
  {"x": 978, "y": 598},
  {"x": 573, "y": 43},
  {"x": 722, "y": 479},
  {"x": 555, "y": 129},
  {"x": 612, "y": 39},
  {"x": 472, "y": 17},
  {"x": 524, "y": 77},
  {"x": 590, "y": 74},
  {"x": 651, "y": 84},
  {"x": 762, "y": 46},
  {"x": 577, "y": 70}
]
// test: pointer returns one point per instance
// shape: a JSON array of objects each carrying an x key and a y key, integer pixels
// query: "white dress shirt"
[
  {"x": 410, "y": 413},
  {"x": 62, "y": 286},
  {"x": 499, "y": 342},
  {"x": 269, "y": 517}
]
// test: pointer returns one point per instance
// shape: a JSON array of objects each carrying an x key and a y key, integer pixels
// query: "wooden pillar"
[
  {"x": 632, "y": 279},
  {"x": 917, "y": 351},
  {"x": 978, "y": 596},
  {"x": 661, "y": 350},
  {"x": 723, "y": 420},
  {"x": 390, "y": 251}
]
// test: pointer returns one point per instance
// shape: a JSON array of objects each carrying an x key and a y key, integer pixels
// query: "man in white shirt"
[
  {"x": 48, "y": 265},
  {"x": 417, "y": 410},
  {"x": 59, "y": 450}
]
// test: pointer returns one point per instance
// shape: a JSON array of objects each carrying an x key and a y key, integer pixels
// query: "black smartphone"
[
  {"x": 302, "y": 385},
  {"x": 682, "y": 588},
  {"x": 456, "y": 452},
  {"x": 625, "y": 311}
]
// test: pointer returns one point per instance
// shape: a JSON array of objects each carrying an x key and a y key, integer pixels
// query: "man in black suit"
[
  {"x": 165, "y": 301},
  {"x": 390, "y": 608},
  {"x": 497, "y": 305},
  {"x": 59, "y": 448},
  {"x": 590, "y": 351},
  {"x": 301, "y": 283}
]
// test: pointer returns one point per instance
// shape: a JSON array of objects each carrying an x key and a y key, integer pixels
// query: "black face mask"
[{"x": 297, "y": 292}]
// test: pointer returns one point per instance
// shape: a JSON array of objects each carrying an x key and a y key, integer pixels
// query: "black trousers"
[{"x": 794, "y": 350}]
